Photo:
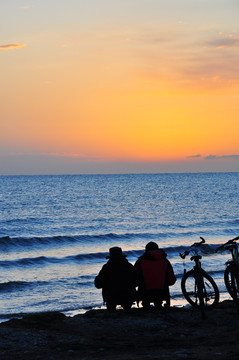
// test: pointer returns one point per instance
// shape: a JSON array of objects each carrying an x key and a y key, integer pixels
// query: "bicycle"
[
  {"x": 198, "y": 287},
  {"x": 231, "y": 273}
]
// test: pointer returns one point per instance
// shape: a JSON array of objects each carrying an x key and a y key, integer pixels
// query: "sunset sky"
[{"x": 119, "y": 86}]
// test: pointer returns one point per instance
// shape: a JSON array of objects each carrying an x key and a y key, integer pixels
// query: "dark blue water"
[{"x": 55, "y": 231}]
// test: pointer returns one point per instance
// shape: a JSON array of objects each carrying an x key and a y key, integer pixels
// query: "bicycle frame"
[
  {"x": 199, "y": 283},
  {"x": 234, "y": 262},
  {"x": 234, "y": 252},
  {"x": 197, "y": 268}
]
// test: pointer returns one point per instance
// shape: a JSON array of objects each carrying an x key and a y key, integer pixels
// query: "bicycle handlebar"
[
  {"x": 184, "y": 254},
  {"x": 196, "y": 244},
  {"x": 229, "y": 242}
]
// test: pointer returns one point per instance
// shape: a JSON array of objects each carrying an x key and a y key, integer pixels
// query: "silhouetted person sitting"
[
  {"x": 155, "y": 275},
  {"x": 117, "y": 278}
]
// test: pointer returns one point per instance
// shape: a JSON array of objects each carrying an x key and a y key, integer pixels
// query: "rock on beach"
[{"x": 176, "y": 333}]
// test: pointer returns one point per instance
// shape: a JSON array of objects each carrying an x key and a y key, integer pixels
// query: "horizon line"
[{"x": 125, "y": 173}]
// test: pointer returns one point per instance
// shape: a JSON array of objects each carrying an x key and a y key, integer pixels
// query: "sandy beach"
[{"x": 177, "y": 333}]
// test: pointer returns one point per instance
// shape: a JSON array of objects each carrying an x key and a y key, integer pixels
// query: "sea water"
[{"x": 55, "y": 232}]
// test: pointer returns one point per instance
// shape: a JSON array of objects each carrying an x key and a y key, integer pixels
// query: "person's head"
[
  {"x": 151, "y": 246},
  {"x": 115, "y": 253}
]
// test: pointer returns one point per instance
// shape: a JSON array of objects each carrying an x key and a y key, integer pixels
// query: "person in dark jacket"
[
  {"x": 155, "y": 275},
  {"x": 117, "y": 279}
]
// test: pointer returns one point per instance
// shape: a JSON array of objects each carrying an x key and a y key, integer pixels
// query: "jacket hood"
[{"x": 154, "y": 255}]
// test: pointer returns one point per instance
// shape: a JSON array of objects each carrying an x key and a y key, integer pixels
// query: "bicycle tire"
[
  {"x": 209, "y": 297},
  {"x": 231, "y": 279}
]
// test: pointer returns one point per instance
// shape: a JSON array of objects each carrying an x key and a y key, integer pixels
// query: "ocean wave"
[
  {"x": 40, "y": 260},
  {"x": 12, "y": 243},
  {"x": 9, "y": 243},
  {"x": 90, "y": 258},
  {"x": 11, "y": 286},
  {"x": 19, "y": 285}
]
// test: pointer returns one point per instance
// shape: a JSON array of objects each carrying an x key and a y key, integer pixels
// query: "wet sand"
[{"x": 177, "y": 333}]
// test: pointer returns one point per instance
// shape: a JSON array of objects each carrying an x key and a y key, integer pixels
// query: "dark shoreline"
[{"x": 177, "y": 333}]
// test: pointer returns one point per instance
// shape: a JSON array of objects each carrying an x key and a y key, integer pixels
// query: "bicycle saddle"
[{"x": 196, "y": 257}]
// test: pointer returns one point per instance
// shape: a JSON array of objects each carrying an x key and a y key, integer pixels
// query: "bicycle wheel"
[
  {"x": 193, "y": 295},
  {"x": 231, "y": 278}
]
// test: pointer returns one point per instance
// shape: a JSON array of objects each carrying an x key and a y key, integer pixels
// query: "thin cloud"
[
  {"x": 227, "y": 42},
  {"x": 194, "y": 156},
  {"x": 73, "y": 156},
  {"x": 215, "y": 157},
  {"x": 11, "y": 46},
  {"x": 201, "y": 63},
  {"x": 155, "y": 38},
  {"x": 211, "y": 69}
]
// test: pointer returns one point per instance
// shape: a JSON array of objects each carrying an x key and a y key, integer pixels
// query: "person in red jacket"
[{"x": 155, "y": 275}]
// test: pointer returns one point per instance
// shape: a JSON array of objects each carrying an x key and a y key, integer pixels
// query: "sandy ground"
[{"x": 176, "y": 333}]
